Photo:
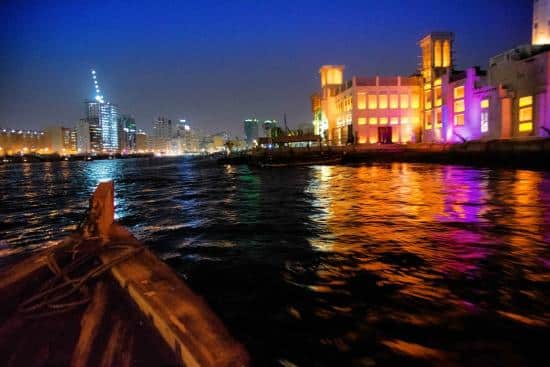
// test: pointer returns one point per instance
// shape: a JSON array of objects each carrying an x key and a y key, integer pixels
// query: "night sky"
[{"x": 218, "y": 62}]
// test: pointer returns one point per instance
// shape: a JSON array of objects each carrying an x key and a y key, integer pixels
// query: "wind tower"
[{"x": 541, "y": 22}]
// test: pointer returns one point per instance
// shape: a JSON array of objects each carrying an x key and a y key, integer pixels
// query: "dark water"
[{"x": 383, "y": 265}]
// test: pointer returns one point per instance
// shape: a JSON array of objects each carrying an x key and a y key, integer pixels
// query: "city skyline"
[{"x": 176, "y": 70}]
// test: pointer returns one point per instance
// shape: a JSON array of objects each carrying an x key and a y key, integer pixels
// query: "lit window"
[
  {"x": 459, "y": 106},
  {"x": 415, "y": 101},
  {"x": 459, "y": 119},
  {"x": 361, "y": 101},
  {"x": 437, "y": 54},
  {"x": 394, "y": 101},
  {"x": 362, "y": 121},
  {"x": 383, "y": 101},
  {"x": 404, "y": 120},
  {"x": 427, "y": 86},
  {"x": 526, "y": 114},
  {"x": 394, "y": 121},
  {"x": 428, "y": 100},
  {"x": 416, "y": 120},
  {"x": 383, "y": 120},
  {"x": 525, "y": 127},
  {"x": 525, "y": 101},
  {"x": 485, "y": 103},
  {"x": 373, "y": 139},
  {"x": 446, "y": 54},
  {"x": 437, "y": 82},
  {"x": 484, "y": 121},
  {"x": 404, "y": 101},
  {"x": 438, "y": 99},
  {"x": 373, "y": 102},
  {"x": 373, "y": 121},
  {"x": 459, "y": 92},
  {"x": 362, "y": 140},
  {"x": 428, "y": 120}
]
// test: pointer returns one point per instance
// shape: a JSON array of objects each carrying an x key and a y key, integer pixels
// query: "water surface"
[{"x": 368, "y": 265}]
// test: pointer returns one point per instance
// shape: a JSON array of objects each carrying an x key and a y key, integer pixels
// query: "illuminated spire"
[{"x": 98, "y": 95}]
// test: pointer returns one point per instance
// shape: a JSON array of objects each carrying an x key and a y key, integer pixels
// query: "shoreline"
[{"x": 528, "y": 154}]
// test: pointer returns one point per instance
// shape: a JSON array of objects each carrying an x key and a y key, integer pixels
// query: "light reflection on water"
[{"x": 388, "y": 264}]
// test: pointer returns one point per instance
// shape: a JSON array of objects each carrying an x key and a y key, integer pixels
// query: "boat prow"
[{"x": 122, "y": 306}]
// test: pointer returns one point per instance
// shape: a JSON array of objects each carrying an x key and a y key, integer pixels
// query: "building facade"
[
  {"x": 127, "y": 133},
  {"x": 251, "y": 130},
  {"x": 162, "y": 134}
]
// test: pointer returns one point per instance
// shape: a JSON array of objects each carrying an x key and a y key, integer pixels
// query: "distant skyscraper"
[
  {"x": 270, "y": 127},
  {"x": 94, "y": 125},
  {"x": 162, "y": 133},
  {"x": 541, "y": 22},
  {"x": 127, "y": 133},
  {"x": 141, "y": 141},
  {"x": 83, "y": 130},
  {"x": 251, "y": 130}
]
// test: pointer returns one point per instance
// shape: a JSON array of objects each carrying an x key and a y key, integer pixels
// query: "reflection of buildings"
[{"x": 440, "y": 103}]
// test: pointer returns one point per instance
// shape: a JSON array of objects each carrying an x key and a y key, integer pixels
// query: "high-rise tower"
[{"x": 541, "y": 22}]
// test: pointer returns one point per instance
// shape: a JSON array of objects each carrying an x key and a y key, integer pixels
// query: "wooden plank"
[
  {"x": 90, "y": 325},
  {"x": 183, "y": 319}
]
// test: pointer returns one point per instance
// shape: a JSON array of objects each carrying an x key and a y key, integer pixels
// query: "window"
[
  {"x": 526, "y": 127},
  {"x": 383, "y": 120},
  {"x": 428, "y": 100},
  {"x": 404, "y": 120},
  {"x": 415, "y": 101},
  {"x": 438, "y": 99},
  {"x": 446, "y": 54},
  {"x": 394, "y": 121},
  {"x": 383, "y": 101},
  {"x": 428, "y": 120},
  {"x": 362, "y": 121},
  {"x": 526, "y": 114},
  {"x": 459, "y": 106},
  {"x": 361, "y": 101},
  {"x": 459, "y": 92},
  {"x": 484, "y": 103},
  {"x": 416, "y": 120},
  {"x": 373, "y": 121},
  {"x": 394, "y": 101},
  {"x": 484, "y": 121},
  {"x": 437, "y": 52},
  {"x": 404, "y": 101},
  {"x": 459, "y": 119},
  {"x": 373, "y": 102}
]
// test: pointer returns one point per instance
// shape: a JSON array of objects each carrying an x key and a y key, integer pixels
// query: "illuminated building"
[
  {"x": 109, "y": 127},
  {"x": 126, "y": 133},
  {"x": 270, "y": 127},
  {"x": 251, "y": 130},
  {"x": 524, "y": 72},
  {"x": 141, "y": 141},
  {"x": 58, "y": 139},
  {"x": 162, "y": 134},
  {"x": 437, "y": 61},
  {"x": 22, "y": 141},
  {"x": 541, "y": 22},
  {"x": 368, "y": 109},
  {"x": 83, "y": 131}
]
